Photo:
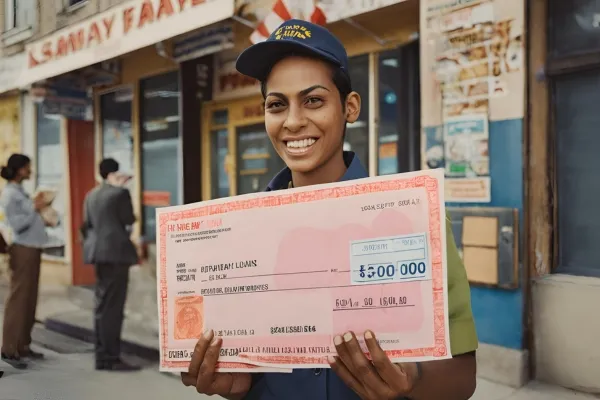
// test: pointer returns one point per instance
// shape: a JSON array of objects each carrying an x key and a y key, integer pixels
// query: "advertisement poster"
[
  {"x": 467, "y": 162},
  {"x": 472, "y": 70}
]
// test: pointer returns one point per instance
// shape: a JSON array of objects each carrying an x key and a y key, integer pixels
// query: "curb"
[{"x": 87, "y": 335}]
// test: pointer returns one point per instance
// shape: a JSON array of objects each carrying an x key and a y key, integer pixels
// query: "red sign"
[{"x": 152, "y": 198}]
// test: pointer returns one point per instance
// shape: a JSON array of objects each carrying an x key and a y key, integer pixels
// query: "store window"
[
  {"x": 577, "y": 170},
  {"x": 399, "y": 110},
  {"x": 574, "y": 27},
  {"x": 117, "y": 137},
  {"x": 357, "y": 134},
  {"x": 574, "y": 79},
  {"x": 160, "y": 147},
  {"x": 50, "y": 174},
  {"x": 219, "y": 151},
  {"x": 257, "y": 160}
]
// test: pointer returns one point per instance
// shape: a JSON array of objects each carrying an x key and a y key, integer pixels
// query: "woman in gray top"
[{"x": 28, "y": 239}]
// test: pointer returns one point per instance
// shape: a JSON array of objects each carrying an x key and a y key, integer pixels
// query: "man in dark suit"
[{"x": 108, "y": 216}]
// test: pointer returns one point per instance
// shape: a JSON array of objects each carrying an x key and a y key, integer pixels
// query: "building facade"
[{"x": 477, "y": 87}]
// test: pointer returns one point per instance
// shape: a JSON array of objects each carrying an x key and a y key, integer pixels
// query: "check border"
[{"x": 276, "y": 199}]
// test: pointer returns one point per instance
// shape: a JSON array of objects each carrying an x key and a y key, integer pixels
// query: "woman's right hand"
[{"x": 203, "y": 377}]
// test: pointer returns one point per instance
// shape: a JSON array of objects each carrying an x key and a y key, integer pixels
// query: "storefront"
[
  {"x": 123, "y": 58},
  {"x": 237, "y": 156},
  {"x": 563, "y": 188}
]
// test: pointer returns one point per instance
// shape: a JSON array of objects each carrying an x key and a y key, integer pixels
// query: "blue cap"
[{"x": 295, "y": 37}]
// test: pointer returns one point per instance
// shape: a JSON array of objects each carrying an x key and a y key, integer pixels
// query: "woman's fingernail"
[
  {"x": 368, "y": 335},
  {"x": 207, "y": 334},
  {"x": 331, "y": 359},
  {"x": 348, "y": 337},
  {"x": 337, "y": 340}
]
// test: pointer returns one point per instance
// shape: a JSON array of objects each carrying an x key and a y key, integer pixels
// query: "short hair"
[{"x": 108, "y": 166}]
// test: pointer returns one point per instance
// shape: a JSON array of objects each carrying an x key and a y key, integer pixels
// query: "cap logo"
[{"x": 293, "y": 31}]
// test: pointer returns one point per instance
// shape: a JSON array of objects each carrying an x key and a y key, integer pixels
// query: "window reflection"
[
  {"x": 160, "y": 146},
  {"x": 257, "y": 160},
  {"x": 220, "y": 149},
  {"x": 357, "y": 134},
  {"x": 389, "y": 77},
  {"x": 50, "y": 170},
  {"x": 117, "y": 137}
]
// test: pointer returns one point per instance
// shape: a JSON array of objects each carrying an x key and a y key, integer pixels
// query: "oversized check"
[{"x": 278, "y": 274}]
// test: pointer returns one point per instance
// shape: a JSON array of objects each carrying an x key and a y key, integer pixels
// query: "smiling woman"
[{"x": 309, "y": 102}]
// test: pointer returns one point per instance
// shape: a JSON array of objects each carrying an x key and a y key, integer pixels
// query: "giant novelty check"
[{"x": 278, "y": 274}]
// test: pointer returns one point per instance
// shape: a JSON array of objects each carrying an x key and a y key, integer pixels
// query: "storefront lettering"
[{"x": 101, "y": 29}]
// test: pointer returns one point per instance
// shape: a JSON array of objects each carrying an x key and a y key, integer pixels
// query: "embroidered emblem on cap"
[{"x": 293, "y": 31}]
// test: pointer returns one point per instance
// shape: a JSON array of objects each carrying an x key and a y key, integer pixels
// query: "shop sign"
[
  {"x": 117, "y": 31},
  {"x": 11, "y": 71},
  {"x": 205, "y": 41},
  {"x": 228, "y": 82},
  {"x": 154, "y": 198}
]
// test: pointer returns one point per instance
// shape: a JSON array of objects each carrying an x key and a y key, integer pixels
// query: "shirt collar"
[{"x": 355, "y": 171}]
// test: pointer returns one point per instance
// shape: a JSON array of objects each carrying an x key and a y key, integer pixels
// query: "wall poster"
[{"x": 472, "y": 68}]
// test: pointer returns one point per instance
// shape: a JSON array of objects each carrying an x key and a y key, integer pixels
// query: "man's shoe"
[
  {"x": 33, "y": 355},
  {"x": 116, "y": 366},
  {"x": 14, "y": 361}
]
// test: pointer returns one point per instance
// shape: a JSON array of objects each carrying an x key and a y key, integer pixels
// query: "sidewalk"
[{"x": 69, "y": 311}]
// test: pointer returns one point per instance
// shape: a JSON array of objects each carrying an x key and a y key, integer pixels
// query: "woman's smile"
[{"x": 300, "y": 146}]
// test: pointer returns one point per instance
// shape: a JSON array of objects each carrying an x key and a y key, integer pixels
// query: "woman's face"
[
  {"x": 24, "y": 172},
  {"x": 304, "y": 116}
]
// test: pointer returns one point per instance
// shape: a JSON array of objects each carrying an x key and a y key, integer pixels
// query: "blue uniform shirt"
[{"x": 305, "y": 384}]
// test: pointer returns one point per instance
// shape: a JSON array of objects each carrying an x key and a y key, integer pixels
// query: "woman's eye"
[
  {"x": 313, "y": 101},
  {"x": 274, "y": 104}
]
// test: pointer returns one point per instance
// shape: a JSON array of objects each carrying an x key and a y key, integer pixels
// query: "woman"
[
  {"x": 308, "y": 102},
  {"x": 28, "y": 238}
]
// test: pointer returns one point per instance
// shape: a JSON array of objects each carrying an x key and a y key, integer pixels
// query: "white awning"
[{"x": 119, "y": 30}]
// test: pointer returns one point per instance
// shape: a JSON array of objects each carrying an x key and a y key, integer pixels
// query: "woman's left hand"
[{"x": 379, "y": 379}]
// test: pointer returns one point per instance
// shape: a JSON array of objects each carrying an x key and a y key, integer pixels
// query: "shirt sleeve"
[
  {"x": 20, "y": 213},
  {"x": 463, "y": 336}
]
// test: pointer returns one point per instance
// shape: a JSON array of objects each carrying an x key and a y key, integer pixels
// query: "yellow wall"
[{"x": 10, "y": 129}]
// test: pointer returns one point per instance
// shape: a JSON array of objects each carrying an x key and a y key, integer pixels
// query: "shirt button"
[{"x": 318, "y": 371}]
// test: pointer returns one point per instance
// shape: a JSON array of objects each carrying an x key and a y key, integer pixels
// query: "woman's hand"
[
  {"x": 203, "y": 377},
  {"x": 379, "y": 379}
]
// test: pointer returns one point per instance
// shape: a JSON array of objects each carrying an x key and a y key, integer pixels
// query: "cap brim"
[{"x": 257, "y": 60}]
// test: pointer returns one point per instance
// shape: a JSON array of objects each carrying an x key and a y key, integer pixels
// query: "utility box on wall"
[{"x": 488, "y": 241}]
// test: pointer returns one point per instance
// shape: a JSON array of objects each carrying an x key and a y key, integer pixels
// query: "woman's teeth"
[{"x": 300, "y": 144}]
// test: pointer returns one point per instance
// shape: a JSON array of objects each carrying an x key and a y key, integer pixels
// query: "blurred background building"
[{"x": 502, "y": 94}]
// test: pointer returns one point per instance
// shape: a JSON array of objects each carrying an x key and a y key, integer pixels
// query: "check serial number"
[{"x": 275, "y": 330}]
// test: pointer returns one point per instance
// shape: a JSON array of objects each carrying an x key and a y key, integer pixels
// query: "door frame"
[{"x": 241, "y": 112}]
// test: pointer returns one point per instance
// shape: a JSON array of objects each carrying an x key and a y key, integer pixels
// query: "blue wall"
[{"x": 499, "y": 313}]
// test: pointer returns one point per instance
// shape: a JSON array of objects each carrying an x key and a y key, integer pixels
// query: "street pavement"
[{"x": 68, "y": 374}]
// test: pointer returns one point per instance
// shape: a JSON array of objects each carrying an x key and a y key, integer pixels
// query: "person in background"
[
  {"x": 28, "y": 239},
  {"x": 309, "y": 101},
  {"x": 108, "y": 216}
]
